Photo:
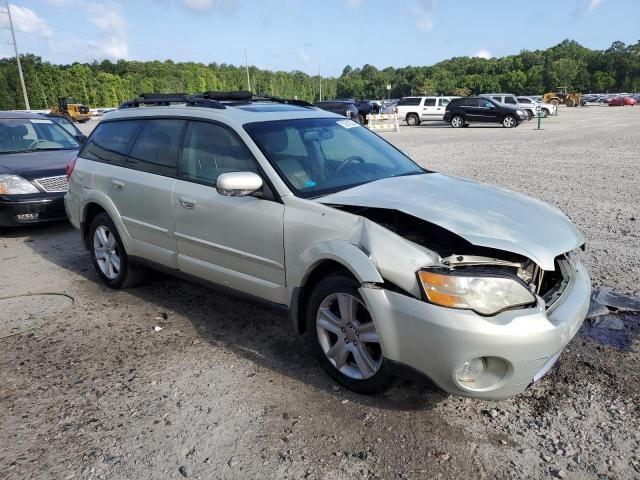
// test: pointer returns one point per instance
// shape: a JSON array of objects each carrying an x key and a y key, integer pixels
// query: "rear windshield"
[{"x": 318, "y": 156}]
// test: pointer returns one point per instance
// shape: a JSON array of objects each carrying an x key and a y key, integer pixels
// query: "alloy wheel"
[
  {"x": 509, "y": 121},
  {"x": 348, "y": 337},
  {"x": 107, "y": 252}
]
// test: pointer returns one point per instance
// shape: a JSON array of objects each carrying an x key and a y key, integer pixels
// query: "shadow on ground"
[{"x": 254, "y": 330}]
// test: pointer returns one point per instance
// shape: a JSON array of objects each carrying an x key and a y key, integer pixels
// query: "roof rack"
[{"x": 210, "y": 99}]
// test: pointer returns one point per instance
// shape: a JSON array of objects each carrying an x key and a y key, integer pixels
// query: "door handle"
[
  {"x": 117, "y": 184},
  {"x": 187, "y": 202}
]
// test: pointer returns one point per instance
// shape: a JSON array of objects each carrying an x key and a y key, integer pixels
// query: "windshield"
[
  {"x": 66, "y": 124},
  {"x": 318, "y": 156},
  {"x": 31, "y": 134}
]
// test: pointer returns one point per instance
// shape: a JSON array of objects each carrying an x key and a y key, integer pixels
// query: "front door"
[
  {"x": 487, "y": 111},
  {"x": 232, "y": 241}
]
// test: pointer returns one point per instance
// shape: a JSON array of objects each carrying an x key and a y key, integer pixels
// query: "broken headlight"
[{"x": 484, "y": 294}]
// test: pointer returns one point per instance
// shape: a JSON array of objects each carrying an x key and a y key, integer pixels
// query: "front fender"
[{"x": 352, "y": 257}]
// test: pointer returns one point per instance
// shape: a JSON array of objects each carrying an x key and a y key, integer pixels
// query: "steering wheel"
[
  {"x": 349, "y": 160},
  {"x": 34, "y": 144}
]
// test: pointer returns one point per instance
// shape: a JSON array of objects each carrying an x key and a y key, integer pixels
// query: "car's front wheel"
[
  {"x": 457, "y": 121},
  {"x": 109, "y": 256},
  {"x": 545, "y": 113},
  {"x": 509, "y": 121},
  {"x": 344, "y": 337}
]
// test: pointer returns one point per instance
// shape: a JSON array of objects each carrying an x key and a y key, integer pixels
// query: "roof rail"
[
  {"x": 166, "y": 99},
  {"x": 210, "y": 99},
  {"x": 289, "y": 101}
]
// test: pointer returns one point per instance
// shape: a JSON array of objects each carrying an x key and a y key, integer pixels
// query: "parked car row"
[{"x": 618, "y": 99}]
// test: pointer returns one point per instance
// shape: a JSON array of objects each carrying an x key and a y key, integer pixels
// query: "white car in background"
[
  {"x": 529, "y": 105},
  {"x": 415, "y": 110}
]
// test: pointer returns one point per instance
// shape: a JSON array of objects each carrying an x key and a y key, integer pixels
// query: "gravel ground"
[{"x": 91, "y": 389}]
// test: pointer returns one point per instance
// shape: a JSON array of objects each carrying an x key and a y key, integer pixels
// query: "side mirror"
[
  {"x": 82, "y": 139},
  {"x": 238, "y": 184}
]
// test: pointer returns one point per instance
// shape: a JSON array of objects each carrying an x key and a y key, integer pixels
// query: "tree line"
[{"x": 106, "y": 83}]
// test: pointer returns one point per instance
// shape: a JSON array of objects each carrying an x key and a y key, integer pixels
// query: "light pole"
[{"x": 15, "y": 47}]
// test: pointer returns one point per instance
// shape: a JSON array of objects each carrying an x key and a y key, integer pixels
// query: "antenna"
[
  {"x": 15, "y": 47},
  {"x": 320, "y": 77}
]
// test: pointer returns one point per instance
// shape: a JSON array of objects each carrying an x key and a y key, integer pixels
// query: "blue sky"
[{"x": 310, "y": 34}]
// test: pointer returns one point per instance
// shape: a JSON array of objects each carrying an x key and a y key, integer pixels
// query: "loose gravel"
[{"x": 224, "y": 390}]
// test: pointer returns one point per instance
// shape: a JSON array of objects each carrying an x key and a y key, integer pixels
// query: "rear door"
[
  {"x": 429, "y": 110},
  {"x": 231, "y": 241},
  {"x": 143, "y": 156}
]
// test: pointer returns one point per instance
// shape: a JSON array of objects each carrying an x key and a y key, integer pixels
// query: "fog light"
[
  {"x": 471, "y": 370},
  {"x": 28, "y": 216}
]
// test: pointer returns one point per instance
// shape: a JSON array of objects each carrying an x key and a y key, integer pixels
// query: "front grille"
[{"x": 53, "y": 184}]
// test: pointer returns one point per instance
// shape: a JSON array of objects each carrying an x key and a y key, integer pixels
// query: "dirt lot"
[{"x": 91, "y": 390}]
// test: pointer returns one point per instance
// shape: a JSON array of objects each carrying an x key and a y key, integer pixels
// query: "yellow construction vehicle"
[
  {"x": 562, "y": 97},
  {"x": 71, "y": 109}
]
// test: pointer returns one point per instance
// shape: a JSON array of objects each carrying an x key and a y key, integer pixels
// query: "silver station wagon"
[{"x": 384, "y": 265}]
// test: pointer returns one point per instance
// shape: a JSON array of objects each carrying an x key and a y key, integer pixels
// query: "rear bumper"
[
  {"x": 37, "y": 210},
  {"x": 519, "y": 345}
]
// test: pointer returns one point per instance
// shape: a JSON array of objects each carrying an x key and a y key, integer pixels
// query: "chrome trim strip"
[{"x": 231, "y": 251}]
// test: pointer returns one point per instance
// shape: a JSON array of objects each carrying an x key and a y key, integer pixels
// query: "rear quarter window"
[
  {"x": 157, "y": 147},
  {"x": 110, "y": 142},
  {"x": 409, "y": 101}
]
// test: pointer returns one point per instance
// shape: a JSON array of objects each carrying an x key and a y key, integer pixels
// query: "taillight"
[{"x": 71, "y": 164}]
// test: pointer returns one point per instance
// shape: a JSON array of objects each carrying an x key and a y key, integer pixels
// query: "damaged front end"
[{"x": 460, "y": 265}]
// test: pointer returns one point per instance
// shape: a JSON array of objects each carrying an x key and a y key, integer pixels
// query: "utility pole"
[
  {"x": 15, "y": 47},
  {"x": 246, "y": 64},
  {"x": 320, "y": 77}
]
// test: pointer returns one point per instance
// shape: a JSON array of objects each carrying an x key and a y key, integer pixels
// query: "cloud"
[
  {"x": 225, "y": 6},
  {"x": 108, "y": 20},
  {"x": 422, "y": 11},
  {"x": 25, "y": 20},
  {"x": 593, "y": 4},
  {"x": 483, "y": 54},
  {"x": 353, "y": 4},
  {"x": 304, "y": 56}
]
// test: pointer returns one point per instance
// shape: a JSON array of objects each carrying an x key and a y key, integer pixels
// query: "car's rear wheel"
[
  {"x": 457, "y": 121},
  {"x": 109, "y": 256},
  {"x": 344, "y": 337},
  {"x": 361, "y": 119},
  {"x": 529, "y": 114},
  {"x": 509, "y": 121},
  {"x": 413, "y": 120}
]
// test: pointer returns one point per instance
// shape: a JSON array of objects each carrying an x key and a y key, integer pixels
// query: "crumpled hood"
[
  {"x": 483, "y": 215},
  {"x": 32, "y": 165}
]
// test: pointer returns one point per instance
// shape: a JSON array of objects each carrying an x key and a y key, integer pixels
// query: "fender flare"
[{"x": 109, "y": 207}]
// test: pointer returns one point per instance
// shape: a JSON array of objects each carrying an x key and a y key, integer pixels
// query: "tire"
[
  {"x": 363, "y": 368},
  {"x": 555, "y": 101},
  {"x": 361, "y": 119},
  {"x": 569, "y": 102},
  {"x": 545, "y": 113},
  {"x": 106, "y": 247},
  {"x": 457, "y": 121},
  {"x": 509, "y": 121},
  {"x": 413, "y": 120},
  {"x": 530, "y": 114}
]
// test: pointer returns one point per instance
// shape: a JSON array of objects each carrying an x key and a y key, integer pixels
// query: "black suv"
[
  {"x": 460, "y": 112},
  {"x": 346, "y": 108}
]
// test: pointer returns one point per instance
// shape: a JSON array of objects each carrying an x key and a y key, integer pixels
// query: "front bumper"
[
  {"x": 48, "y": 208},
  {"x": 437, "y": 341}
]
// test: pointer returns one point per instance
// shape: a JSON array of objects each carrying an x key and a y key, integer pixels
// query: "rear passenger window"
[
  {"x": 110, "y": 141},
  {"x": 472, "y": 102},
  {"x": 510, "y": 100},
  {"x": 210, "y": 150},
  {"x": 443, "y": 102},
  {"x": 430, "y": 102},
  {"x": 157, "y": 146}
]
